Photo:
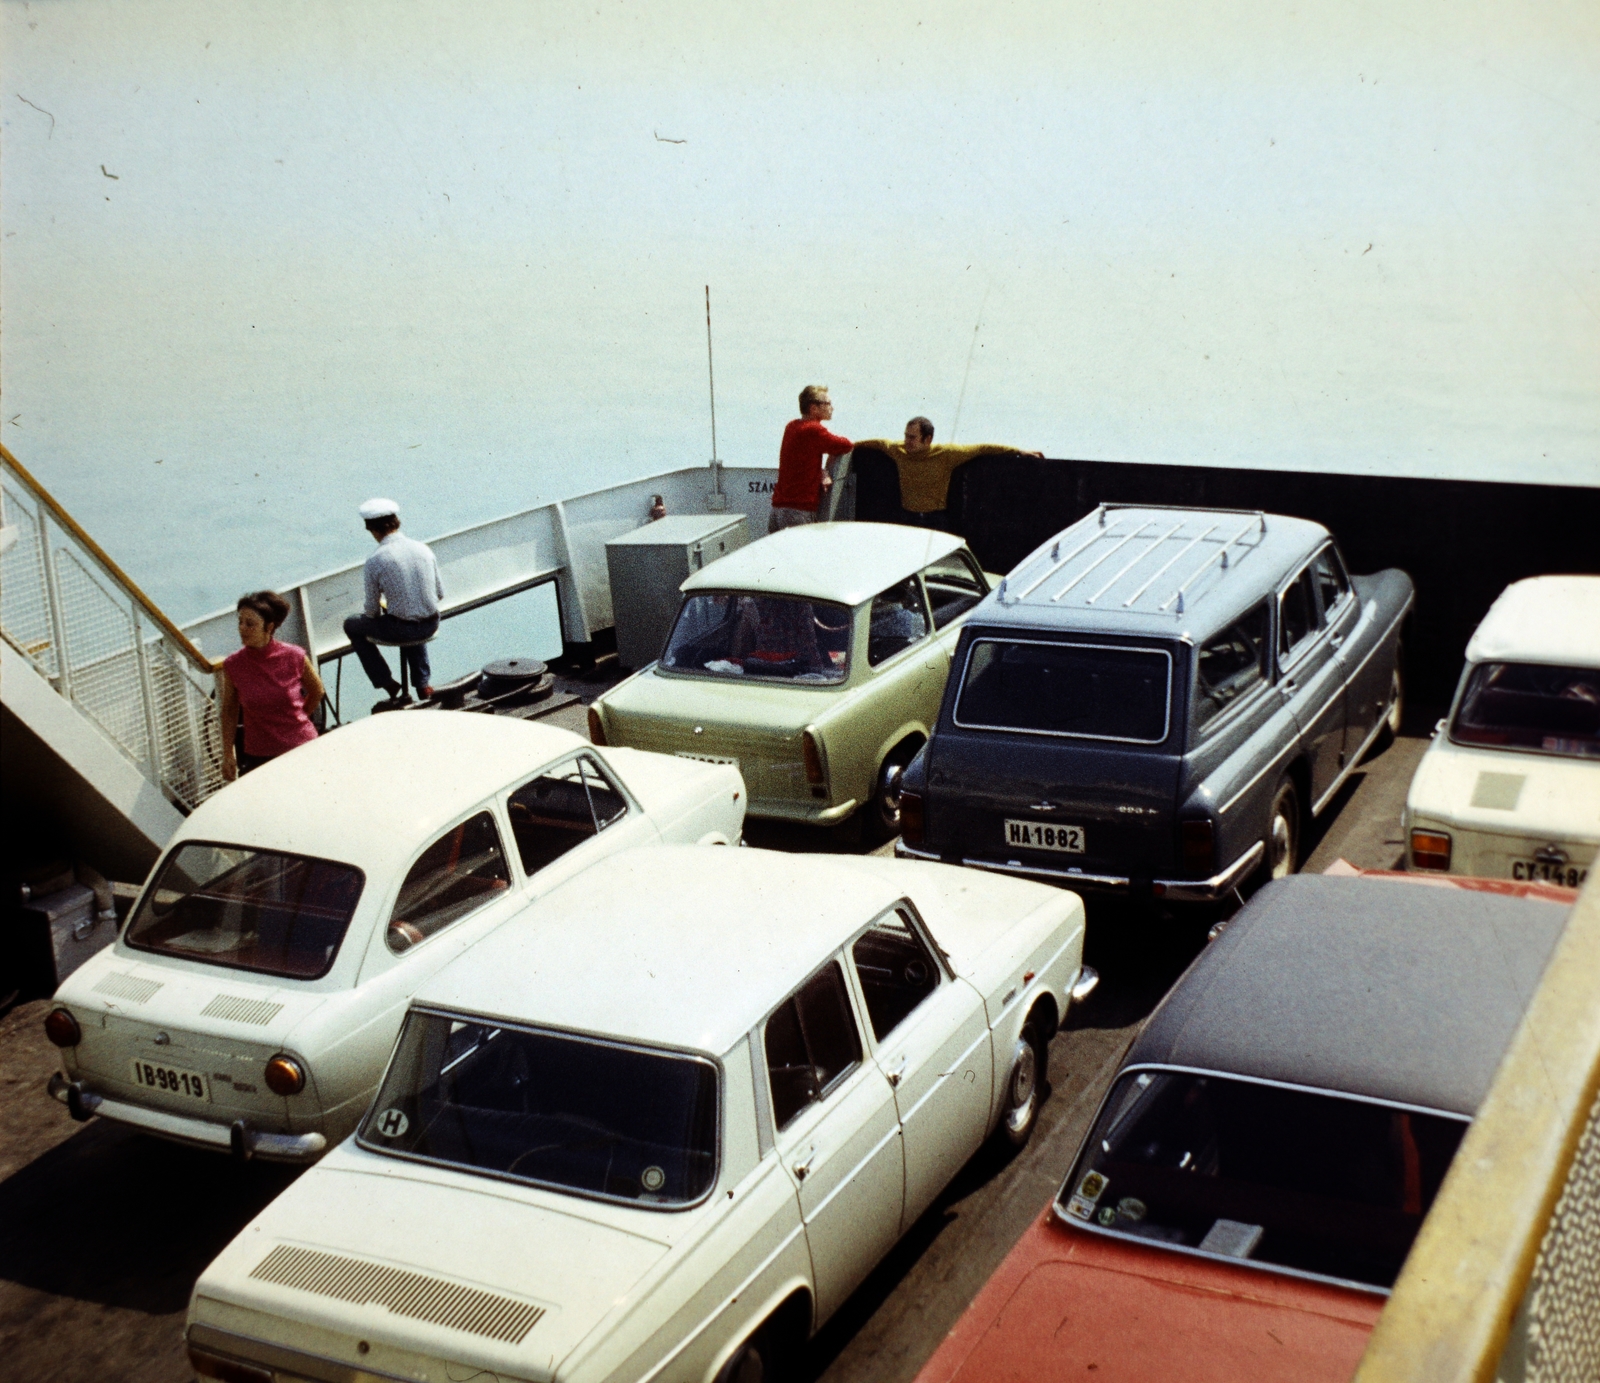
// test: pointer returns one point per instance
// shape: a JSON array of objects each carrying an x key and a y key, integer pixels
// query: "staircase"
[{"x": 110, "y": 730}]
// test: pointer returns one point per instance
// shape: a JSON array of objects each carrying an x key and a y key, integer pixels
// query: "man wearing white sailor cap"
[{"x": 402, "y": 603}]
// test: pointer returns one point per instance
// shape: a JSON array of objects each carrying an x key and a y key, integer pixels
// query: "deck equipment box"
[{"x": 649, "y": 564}]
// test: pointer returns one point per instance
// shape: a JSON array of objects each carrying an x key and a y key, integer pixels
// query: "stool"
[{"x": 405, "y": 667}]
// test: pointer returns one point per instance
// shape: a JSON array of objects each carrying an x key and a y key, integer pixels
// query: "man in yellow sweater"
[{"x": 925, "y": 469}]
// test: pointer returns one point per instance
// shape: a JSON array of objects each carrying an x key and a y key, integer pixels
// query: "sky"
[{"x": 261, "y": 261}]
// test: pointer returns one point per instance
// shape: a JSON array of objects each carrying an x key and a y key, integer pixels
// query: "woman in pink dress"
[{"x": 274, "y": 683}]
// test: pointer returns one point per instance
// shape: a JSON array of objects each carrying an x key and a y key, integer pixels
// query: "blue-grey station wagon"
[{"x": 1156, "y": 701}]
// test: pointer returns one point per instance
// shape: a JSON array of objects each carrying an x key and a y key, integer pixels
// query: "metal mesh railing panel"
[
  {"x": 24, "y": 597},
  {"x": 102, "y": 664},
  {"x": 186, "y": 719},
  {"x": 1564, "y": 1300}
]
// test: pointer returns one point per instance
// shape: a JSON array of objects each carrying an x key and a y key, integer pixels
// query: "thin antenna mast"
[
  {"x": 715, "y": 500},
  {"x": 971, "y": 351}
]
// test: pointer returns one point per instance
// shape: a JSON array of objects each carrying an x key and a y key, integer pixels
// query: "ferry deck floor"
[{"x": 103, "y": 1231}]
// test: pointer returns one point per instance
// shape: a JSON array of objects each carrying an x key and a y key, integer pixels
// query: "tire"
[
  {"x": 1283, "y": 833},
  {"x": 882, "y": 819},
  {"x": 1020, "y": 1112},
  {"x": 1396, "y": 709}
]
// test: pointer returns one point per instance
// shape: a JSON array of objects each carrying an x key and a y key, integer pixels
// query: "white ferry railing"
[
  {"x": 562, "y": 542},
  {"x": 103, "y": 644}
]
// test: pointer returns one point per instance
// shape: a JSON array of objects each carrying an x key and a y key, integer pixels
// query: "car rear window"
[
  {"x": 1095, "y": 691},
  {"x": 249, "y": 909},
  {"x": 555, "y": 1109},
  {"x": 774, "y": 637},
  {"x": 1314, "y": 1182},
  {"x": 1555, "y": 710}
]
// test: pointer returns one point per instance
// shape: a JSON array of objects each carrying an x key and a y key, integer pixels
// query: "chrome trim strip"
[
  {"x": 1208, "y": 890},
  {"x": 1287, "y": 751},
  {"x": 1049, "y": 875},
  {"x": 1350, "y": 764},
  {"x": 902, "y": 851},
  {"x": 849, "y": 1179}
]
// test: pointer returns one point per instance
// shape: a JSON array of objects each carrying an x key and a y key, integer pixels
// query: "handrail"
[
  {"x": 1453, "y": 1305},
  {"x": 182, "y": 640}
]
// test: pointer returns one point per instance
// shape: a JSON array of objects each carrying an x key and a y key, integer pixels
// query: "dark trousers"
[{"x": 360, "y": 628}]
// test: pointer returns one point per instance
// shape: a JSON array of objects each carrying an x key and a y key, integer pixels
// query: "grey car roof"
[
  {"x": 1150, "y": 569},
  {"x": 1378, "y": 987}
]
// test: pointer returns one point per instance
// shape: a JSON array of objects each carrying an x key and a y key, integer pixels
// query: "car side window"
[
  {"x": 895, "y": 970},
  {"x": 1332, "y": 583},
  {"x": 1298, "y": 618},
  {"x": 899, "y": 619},
  {"x": 561, "y": 808},
  {"x": 811, "y": 1043},
  {"x": 1230, "y": 664},
  {"x": 954, "y": 585},
  {"x": 458, "y": 873}
]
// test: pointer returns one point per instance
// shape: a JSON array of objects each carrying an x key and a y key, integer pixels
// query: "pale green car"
[{"x": 814, "y": 660}]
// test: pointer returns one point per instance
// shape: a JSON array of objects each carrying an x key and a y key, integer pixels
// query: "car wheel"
[
  {"x": 1021, "y": 1110},
  {"x": 746, "y": 1365},
  {"x": 883, "y": 812},
  {"x": 1283, "y": 833},
  {"x": 1397, "y": 705}
]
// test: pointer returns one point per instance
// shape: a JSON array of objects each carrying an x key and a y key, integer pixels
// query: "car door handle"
[
  {"x": 896, "y": 1072},
  {"x": 1337, "y": 640},
  {"x": 1287, "y": 686},
  {"x": 802, "y": 1168}
]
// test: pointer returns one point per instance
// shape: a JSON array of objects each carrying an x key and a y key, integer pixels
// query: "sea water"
[{"x": 264, "y": 262}]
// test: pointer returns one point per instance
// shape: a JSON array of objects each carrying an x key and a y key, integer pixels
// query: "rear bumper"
[
  {"x": 237, "y": 1137},
  {"x": 1170, "y": 890},
  {"x": 814, "y": 813}
]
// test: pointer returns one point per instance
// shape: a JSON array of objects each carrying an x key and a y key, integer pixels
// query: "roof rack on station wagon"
[{"x": 1142, "y": 548}]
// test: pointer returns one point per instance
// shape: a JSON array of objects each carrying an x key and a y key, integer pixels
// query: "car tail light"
[
  {"x": 811, "y": 752},
  {"x": 62, "y": 1028},
  {"x": 911, "y": 828},
  {"x": 285, "y": 1076},
  {"x": 1430, "y": 850},
  {"x": 1198, "y": 844},
  {"x": 597, "y": 729},
  {"x": 209, "y": 1365}
]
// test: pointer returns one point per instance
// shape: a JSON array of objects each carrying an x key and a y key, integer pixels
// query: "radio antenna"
[
  {"x": 715, "y": 500},
  {"x": 971, "y": 351}
]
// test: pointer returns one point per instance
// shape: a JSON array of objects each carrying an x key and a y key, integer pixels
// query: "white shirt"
[{"x": 404, "y": 572}]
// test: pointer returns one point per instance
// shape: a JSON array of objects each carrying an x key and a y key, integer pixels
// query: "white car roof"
[
  {"x": 1545, "y": 619},
  {"x": 373, "y": 793},
  {"x": 846, "y": 562},
  {"x": 681, "y": 946}
]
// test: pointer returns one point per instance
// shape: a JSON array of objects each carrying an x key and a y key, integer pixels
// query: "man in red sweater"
[{"x": 803, "y": 477}]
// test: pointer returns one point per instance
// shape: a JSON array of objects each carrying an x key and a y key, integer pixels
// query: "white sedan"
[
  {"x": 1510, "y": 785},
  {"x": 659, "y": 1126},
  {"x": 256, "y": 991}
]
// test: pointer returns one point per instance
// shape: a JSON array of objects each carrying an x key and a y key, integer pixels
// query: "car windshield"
[
  {"x": 1319, "y": 1183},
  {"x": 1555, "y": 710},
  {"x": 1087, "y": 690},
  {"x": 250, "y": 909},
  {"x": 581, "y": 1115},
  {"x": 774, "y": 637}
]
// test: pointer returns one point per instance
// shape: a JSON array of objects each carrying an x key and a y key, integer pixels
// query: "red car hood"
[{"x": 1072, "y": 1305}]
